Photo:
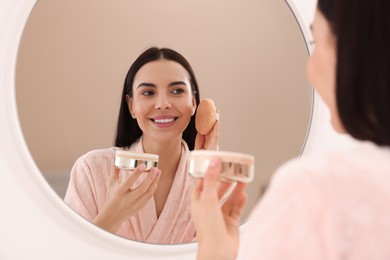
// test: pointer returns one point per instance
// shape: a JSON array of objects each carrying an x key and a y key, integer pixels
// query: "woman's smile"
[{"x": 164, "y": 121}]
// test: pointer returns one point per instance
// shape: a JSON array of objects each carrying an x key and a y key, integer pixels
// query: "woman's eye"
[
  {"x": 147, "y": 93},
  {"x": 178, "y": 91}
]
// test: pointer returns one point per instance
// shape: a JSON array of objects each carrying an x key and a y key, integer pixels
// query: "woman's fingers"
[
  {"x": 234, "y": 206},
  {"x": 211, "y": 178},
  {"x": 144, "y": 186},
  {"x": 223, "y": 187},
  {"x": 148, "y": 187},
  {"x": 197, "y": 190},
  {"x": 215, "y": 131},
  {"x": 211, "y": 139},
  {"x": 133, "y": 176},
  {"x": 208, "y": 141},
  {"x": 238, "y": 208},
  {"x": 199, "y": 142}
]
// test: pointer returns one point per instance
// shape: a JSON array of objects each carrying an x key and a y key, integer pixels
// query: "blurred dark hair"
[
  {"x": 128, "y": 131},
  {"x": 362, "y": 30}
]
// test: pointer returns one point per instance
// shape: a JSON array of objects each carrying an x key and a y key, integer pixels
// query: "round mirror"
[{"x": 248, "y": 56}]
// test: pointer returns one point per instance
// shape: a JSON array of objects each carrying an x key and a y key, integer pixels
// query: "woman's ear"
[{"x": 129, "y": 102}]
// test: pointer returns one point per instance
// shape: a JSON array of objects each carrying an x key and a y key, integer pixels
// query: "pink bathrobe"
[
  {"x": 331, "y": 206},
  {"x": 87, "y": 189}
]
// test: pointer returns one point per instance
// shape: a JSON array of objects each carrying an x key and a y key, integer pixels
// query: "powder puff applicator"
[{"x": 206, "y": 116}]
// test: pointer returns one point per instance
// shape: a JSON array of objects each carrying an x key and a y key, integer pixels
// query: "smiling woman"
[
  {"x": 70, "y": 72},
  {"x": 156, "y": 116}
]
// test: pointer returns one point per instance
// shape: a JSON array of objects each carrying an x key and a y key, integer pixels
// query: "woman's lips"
[{"x": 164, "y": 121}]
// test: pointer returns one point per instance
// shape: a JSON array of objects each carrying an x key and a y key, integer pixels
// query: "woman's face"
[
  {"x": 162, "y": 101},
  {"x": 321, "y": 67}
]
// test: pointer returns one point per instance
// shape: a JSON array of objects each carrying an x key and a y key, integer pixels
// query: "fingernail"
[
  {"x": 155, "y": 171},
  {"x": 142, "y": 167}
]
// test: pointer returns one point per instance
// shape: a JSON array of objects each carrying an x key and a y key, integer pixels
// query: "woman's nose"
[{"x": 163, "y": 102}]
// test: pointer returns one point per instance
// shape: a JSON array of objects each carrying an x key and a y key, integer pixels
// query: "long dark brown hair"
[{"x": 362, "y": 30}]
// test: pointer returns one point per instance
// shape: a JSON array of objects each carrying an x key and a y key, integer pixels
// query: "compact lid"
[
  {"x": 138, "y": 156},
  {"x": 225, "y": 156}
]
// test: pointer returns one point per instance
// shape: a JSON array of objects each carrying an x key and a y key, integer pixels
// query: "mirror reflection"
[
  {"x": 247, "y": 57},
  {"x": 156, "y": 116}
]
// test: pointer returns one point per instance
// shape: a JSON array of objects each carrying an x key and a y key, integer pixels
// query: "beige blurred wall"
[{"x": 249, "y": 56}]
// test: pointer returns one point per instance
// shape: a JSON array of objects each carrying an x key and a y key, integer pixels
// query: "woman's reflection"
[{"x": 156, "y": 116}]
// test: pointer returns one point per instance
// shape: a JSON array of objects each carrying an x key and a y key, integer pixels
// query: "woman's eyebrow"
[
  {"x": 177, "y": 83},
  {"x": 146, "y": 84}
]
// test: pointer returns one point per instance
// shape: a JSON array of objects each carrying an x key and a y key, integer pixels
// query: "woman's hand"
[
  {"x": 217, "y": 228},
  {"x": 208, "y": 141},
  {"x": 122, "y": 201}
]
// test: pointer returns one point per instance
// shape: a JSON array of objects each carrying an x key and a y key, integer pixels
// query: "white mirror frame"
[{"x": 35, "y": 223}]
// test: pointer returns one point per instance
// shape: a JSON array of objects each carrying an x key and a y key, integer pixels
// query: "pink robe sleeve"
[{"x": 81, "y": 192}]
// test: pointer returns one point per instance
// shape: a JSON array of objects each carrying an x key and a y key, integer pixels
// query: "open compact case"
[
  {"x": 235, "y": 166},
  {"x": 126, "y": 160}
]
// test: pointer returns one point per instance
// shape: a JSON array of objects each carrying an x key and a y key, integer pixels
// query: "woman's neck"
[{"x": 169, "y": 154}]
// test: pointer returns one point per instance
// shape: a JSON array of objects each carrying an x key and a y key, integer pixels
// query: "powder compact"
[
  {"x": 127, "y": 160},
  {"x": 235, "y": 166}
]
